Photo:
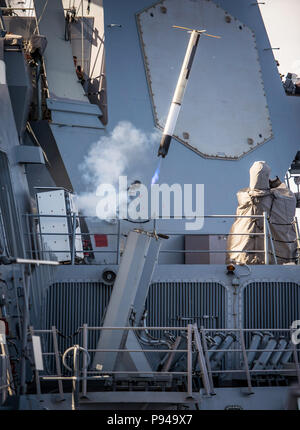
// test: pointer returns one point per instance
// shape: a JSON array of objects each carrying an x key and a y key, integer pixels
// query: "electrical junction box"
[{"x": 56, "y": 232}]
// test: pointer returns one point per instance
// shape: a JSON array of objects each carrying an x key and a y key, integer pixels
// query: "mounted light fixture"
[{"x": 230, "y": 269}]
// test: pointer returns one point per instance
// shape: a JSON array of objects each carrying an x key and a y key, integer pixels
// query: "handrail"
[
  {"x": 196, "y": 344},
  {"x": 175, "y": 328},
  {"x": 83, "y": 374},
  {"x": 73, "y": 236},
  {"x": 178, "y": 328}
]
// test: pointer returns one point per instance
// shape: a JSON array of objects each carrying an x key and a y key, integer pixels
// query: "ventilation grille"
[
  {"x": 271, "y": 304},
  {"x": 69, "y": 305},
  {"x": 181, "y": 303}
]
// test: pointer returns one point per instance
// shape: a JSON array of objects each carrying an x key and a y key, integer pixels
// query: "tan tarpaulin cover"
[{"x": 280, "y": 205}]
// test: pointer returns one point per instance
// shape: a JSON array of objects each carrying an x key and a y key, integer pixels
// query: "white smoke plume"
[{"x": 123, "y": 153}]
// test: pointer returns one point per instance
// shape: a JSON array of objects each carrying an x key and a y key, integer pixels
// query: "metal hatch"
[{"x": 224, "y": 114}]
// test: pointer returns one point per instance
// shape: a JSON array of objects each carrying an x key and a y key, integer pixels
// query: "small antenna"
[{"x": 198, "y": 31}]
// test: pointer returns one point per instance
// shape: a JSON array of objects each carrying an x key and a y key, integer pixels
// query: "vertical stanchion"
[
  {"x": 272, "y": 243},
  {"x": 266, "y": 245},
  {"x": 57, "y": 362},
  {"x": 205, "y": 348},
  {"x": 242, "y": 343},
  {"x": 85, "y": 346},
  {"x": 73, "y": 238},
  {"x": 75, "y": 383},
  {"x": 201, "y": 361},
  {"x": 189, "y": 360}
]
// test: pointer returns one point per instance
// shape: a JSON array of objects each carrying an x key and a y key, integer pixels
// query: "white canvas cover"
[{"x": 279, "y": 203}]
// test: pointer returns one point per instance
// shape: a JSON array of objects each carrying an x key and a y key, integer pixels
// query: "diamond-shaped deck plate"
[{"x": 224, "y": 112}]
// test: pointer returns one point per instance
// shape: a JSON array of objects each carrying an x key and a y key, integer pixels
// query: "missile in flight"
[{"x": 180, "y": 89}]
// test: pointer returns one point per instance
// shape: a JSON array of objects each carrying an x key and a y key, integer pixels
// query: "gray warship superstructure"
[{"x": 120, "y": 314}]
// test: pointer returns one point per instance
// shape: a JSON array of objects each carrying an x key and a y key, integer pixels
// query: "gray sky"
[{"x": 282, "y": 21}]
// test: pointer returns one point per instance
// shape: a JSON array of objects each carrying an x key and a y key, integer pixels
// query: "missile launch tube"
[
  {"x": 230, "y": 338},
  {"x": 256, "y": 338},
  {"x": 265, "y": 355},
  {"x": 286, "y": 354},
  {"x": 218, "y": 339},
  {"x": 277, "y": 354}
]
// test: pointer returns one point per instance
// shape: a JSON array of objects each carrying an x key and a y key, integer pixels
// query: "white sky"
[{"x": 282, "y": 22}]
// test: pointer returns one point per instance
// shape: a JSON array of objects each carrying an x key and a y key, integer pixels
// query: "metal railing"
[
  {"x": 37, "y": 238},
  {"x": 83, "y": 375},
  {"x": 198, "y": 342},
  {"x": 266, "y": 368}
]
